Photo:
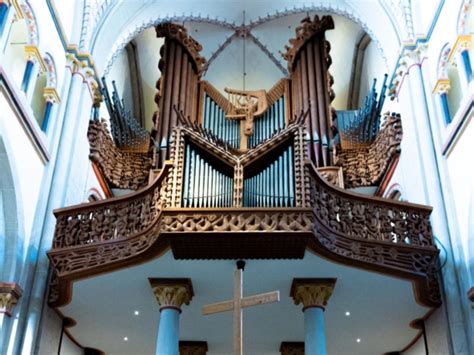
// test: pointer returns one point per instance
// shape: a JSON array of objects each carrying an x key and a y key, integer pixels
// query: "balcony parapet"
[{"x": 389, "y": 237}]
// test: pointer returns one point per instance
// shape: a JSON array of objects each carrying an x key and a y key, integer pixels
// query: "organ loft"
[{"x": 259, "y": 183}]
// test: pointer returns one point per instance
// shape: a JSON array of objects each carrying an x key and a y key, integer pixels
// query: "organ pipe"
[
  {"x": 204, "y": 185},
  {"x": 272, "y": 185}
]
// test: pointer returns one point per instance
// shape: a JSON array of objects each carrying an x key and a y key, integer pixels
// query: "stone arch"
[
  {"x": 124, "y": 39},
  {"x": 10, "y": 218},
  {"x": 464, "y": 20},
  {"x": 31, "y": 23},
  {"x": 51, "y": 80},
  {"x": 443, "y": 62}
]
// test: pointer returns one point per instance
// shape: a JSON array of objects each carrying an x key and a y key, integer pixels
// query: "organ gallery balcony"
[{"x": 255, "y": 175}]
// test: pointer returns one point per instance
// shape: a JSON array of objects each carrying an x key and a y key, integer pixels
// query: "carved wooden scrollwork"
[
  {"x": 121, "y": 169},
  {"x": 109, "y": 219},
  {"x": 304, "y": 32},
  {"x": 237, "y": 221},
  {"x": 180, "y": 34},
  {"x": 365, "y": 166}
]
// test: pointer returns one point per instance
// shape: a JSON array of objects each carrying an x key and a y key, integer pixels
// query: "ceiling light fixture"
[
  {"x": 125, "y": 338},
  {"x": 358, "y": 340},
  {"x": 348, "y": 313},
  {"x": 136, "y": 313}
]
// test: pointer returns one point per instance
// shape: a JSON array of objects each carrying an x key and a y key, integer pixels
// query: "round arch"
[
  {"x": 10, "y": 217},
  {"x": 135, "y": 28}
]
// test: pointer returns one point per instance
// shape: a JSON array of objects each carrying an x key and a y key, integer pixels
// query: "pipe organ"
[
  {"x": 308, "y": 64},
  {"x": 272, "y": 121},
  {"x": 214, "y": 120},
  {"x": 180, "y": 66},
  {"x": 204, "y": 183},
  {"x": 273, "y": 184},
  {"x": 231, "y": 151}
]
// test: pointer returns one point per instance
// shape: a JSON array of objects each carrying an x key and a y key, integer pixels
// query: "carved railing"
[
  {"x": 110, "y": 219},
  {"x": 367, "y": 218},
  {"x": 366, "y": 166}
]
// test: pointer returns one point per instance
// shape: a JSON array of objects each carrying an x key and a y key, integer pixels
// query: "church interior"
[{"x": 236, "y": 177}]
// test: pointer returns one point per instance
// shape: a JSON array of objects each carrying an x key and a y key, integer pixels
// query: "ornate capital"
[
  {"x": 192, "y": 348},
  {"x": 292, "y": 348},
  {"x": 51, "y": 95},
  {"x": 312, "y": 292},
  {"x": 442, "y": 87},
  {"x": 463, "y": 43},
  {"x": 10, "y": 292},
  {"x": 172, "y": 292},
  {"x": 414, "y": 55},
  {"x": 34, "y": 55}
]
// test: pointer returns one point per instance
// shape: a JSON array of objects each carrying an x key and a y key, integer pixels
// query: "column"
[
  {"x": 52, "y": 99},
  {"x": 435, "y": 190},
  {"x": 35, "y": 273},
  {"x": 460, "y": 53},
  {"x": 314, "y": 295},
  {"x": 171, "y": 294},
  {"x": 10, "y": 292}
]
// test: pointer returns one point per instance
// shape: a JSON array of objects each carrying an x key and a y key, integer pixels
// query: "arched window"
[
  {"x": 45, "y": 97},
  {"x": 9, "y": 223},
  {"x": 464, "y": 41},
  {"x": 448, "y": 86},
  {"x": 23, "y": 39}
]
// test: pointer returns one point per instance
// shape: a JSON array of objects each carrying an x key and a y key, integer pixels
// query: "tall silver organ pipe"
[
  {"x": 272, "y": 121},
  {"x": 272, "y": 185},
  {"x": 214, "y": 120},
  {"x": 204, "y": 185}
]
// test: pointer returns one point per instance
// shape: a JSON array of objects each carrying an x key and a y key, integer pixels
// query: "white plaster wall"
[
  {"x": 148, "y": 49},
  {"x": 28, "y": 164},
  {"x": 120, "y": 72},
  {"x": 69, "y": 16},
  {"x": 373, "y": 67},
  {"x": 461, "y": 174},
  {"x": 50, "y": 333}
]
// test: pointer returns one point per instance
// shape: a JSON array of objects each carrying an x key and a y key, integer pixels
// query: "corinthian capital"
[
  {"x": 312, "y": 292},
  {"x": 10, "y": 292},
  {"x": 172, "y": 292}
]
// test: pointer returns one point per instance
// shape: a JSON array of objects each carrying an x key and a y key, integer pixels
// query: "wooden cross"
[{"x": 238, "y": 303}]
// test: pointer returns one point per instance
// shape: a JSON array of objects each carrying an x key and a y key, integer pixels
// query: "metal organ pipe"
[{"x": 321, "y": 84}]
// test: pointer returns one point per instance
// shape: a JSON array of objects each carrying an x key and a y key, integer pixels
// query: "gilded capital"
[
  {"x": 10, "y": 292},
  {"x": 312, "y": 292},
  {"x": 172, "y": 292}
]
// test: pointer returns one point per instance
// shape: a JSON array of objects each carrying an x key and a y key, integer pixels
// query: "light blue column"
[
  {"x": 168, "y": 332},
  {"x": 315, "y": 337}
]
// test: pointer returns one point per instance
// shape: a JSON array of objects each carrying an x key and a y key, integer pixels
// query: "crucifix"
[{"x": 238, "y": 303}]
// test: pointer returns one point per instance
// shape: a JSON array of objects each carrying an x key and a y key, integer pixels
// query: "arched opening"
[
  {"x": 8, "y": 219},
  {"x": 14, "y": 60},
  {"x": 455, "y": 92},
  {"x": 38, "y": 102}
]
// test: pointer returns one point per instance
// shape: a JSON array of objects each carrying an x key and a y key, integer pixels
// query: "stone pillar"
[
  {"x": 313, "y": 294},
  {"x": 171, "y": 294},
  {"x": 460, "y": 53},
  {"x": 435, "y": 190},
  {"x": 10, "y": 292},
  {"x": 35, "y": 273}
]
